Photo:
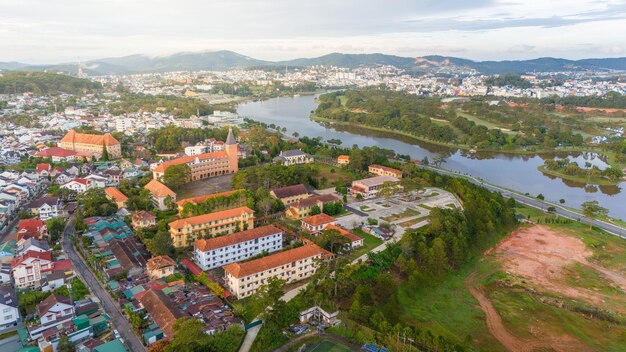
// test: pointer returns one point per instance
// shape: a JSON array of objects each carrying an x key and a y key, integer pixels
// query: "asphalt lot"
[{"x": 207, "y": 186}]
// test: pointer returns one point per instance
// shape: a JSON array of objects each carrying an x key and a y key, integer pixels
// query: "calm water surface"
[{"x": 511, "y": 171}]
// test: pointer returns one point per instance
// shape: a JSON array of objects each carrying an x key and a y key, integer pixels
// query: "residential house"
[
  {"x": 78, "y": 185},
  {"x": 46, "y": 207},
  {"x": 160, "y": 194},
  {"x": 58, "y": 155},
  {"x": 117, "y": 197},
  {"x": 343, "y": 160},
  {"x": 317, "y": 223},
  {"x": 162, "y": 310},
  {"x": 29, "y": 269},
  {"x": 143, "y": 219},
  {"x": 354, "y": 241},
  {"x": 185, "y": 231},
  {"x": 161, "y": 266},
  {"x": 52, "y": 311},
  {"x": 9, "y": 313},
  {"x": 62, "y": 179},
  {"x": 43, "y": 169},
  {"x": 219, "y": 251},
  {"x": 33, "y": 227}
]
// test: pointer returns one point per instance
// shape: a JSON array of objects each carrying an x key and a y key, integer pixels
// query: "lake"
[{"x": 518, "y": 172}]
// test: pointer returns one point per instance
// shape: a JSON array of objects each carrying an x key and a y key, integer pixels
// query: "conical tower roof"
[{"x": 230, "y": 140}]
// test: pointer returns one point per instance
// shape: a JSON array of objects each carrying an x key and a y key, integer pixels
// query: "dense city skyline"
[{"x": 63, "y": 31}]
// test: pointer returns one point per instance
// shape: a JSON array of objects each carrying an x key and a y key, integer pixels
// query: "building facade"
[
  {"x": 208, "y": 164},
  {"x": 92, "y": 143},
  {"x": 219, "y": 251},
  {"x": 384, "y": 171},
  {"x": 186, "y": 231},
  {"x": 368, "y": 188},
  {"x": 243, "y": 279}
]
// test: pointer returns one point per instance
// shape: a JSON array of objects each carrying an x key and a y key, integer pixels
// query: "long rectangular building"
[
  {"x": 243, "y": 279},
  {"x": 206, "y": 165},
  {"x": 218, "y": 251},
  {"x": 185, "y": 231}
]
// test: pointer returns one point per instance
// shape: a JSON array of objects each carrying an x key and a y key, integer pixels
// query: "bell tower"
[{"x": 231, "y": 147}]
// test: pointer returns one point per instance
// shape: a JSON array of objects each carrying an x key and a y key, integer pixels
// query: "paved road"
[
  {"x": 110, "y": 306},
  {"x": 539, "y": 204}
]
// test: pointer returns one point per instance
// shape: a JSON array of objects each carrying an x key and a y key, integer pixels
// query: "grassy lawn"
[
  {"x": 327, "y": 346},
  {"x": 369, "y": 242},
  {"x": 488, "y": 124},
  {"x": 366, "y": 208},
  {"x": 578, "y": 275},
  {"x": 247, "y": 309},
  {"x": 332, "y": 174},
  {"x": 414, "y": 221},
  {"x": 448, "y": 309},
  {"x": 405, "y": 214}
]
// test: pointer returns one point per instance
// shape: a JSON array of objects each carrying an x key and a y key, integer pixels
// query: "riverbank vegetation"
[
  {"x": 527, "y": 126},
  {"x": 570, "y": 170}
]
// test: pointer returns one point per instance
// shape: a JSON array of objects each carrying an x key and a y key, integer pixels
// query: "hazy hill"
[
  {"x": 17, "y": 82},
  {"x": 225, "y": 60}
]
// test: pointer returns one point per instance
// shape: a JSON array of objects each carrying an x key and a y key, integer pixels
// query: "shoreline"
[
  {"x": 609, "y": 154},
  {"x": 581, "y": 179}
]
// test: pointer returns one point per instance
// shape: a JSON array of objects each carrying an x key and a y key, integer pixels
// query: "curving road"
[
  {"x": 110, "y": 306},
  {"x": 537, "y": 203}
]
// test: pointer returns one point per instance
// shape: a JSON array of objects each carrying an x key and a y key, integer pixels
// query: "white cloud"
[{"x": 42, "y": 31}]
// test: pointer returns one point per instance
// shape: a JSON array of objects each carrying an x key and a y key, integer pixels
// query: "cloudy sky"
[{"x": 49, "y": 31}]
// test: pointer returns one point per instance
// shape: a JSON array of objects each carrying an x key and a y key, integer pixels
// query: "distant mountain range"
[{"x": 224, "y": 60}]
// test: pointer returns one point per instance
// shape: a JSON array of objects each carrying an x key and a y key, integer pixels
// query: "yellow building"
[
  {"x": 92, "y": 144},
  {"x": 185, "y": 231}
]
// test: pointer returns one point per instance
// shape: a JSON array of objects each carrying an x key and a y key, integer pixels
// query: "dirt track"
[{"x": 540, "y": 254}]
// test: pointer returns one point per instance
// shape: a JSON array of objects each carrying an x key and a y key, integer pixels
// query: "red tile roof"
[
  {"x": 162, "y": 261},
  {"x": 202, "y": 219},
  {"x": 115, "y": 194},
  {"x": 56, "y": 152},
  {"x": 238, "y": 237},
  {"x": 319, "y": 219},
  {"x": 32, "y": 254},
  {"x": 42, "y": 167},
  {"x": 95, "y": 139},
  {"x": 244, "y": 269},
  {"x": 160, "y": 190},
  {"x": 192, "y": 267},
  {"x": 188, "y": 159}
]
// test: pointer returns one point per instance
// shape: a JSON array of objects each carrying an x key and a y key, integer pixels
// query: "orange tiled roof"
[
  {"x": 160, "y": 190},
  {"x": 319, "y": 219},
  {"x": 343, "y": 157},
  {"x": 105, "y": 140},
  {"x": 115, "y": 194},
  {"x": 238, "y": 237},
  {"x": 143, "y": 215},
  {"x": 385, "y": 168},
  {"x": 202, "y": 219},
  {"x": 187, "y": 159},
  {"x": 199, "y": 199},
  {"x": 344, "y": 232},
  {"x": 244, "y": 269},
  {"x": 159, "y": 262}
]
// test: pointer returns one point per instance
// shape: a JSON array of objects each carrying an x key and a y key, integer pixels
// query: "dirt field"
[{"x": 542, "y": 257}]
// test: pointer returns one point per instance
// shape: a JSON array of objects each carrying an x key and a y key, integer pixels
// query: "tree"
[
  {"x": 176, "y": 175},
  {"x": 541, "y": 196},
  {"x": 94, "y": 202},
  {"x": 55, "y": 228},
  {"x": 316, "y": 210},
  {"x": 65, "y": 345},
  {"x": 332, "y": 240},
  {"x": 388, "y": 189},
  {"x": 265, "y": 205},
  {"x": 161, "y": 244},
  {"x": 105, "y": 154},
  {"x": 562, "y": 201},
  {"x": 593, "y": 210}
]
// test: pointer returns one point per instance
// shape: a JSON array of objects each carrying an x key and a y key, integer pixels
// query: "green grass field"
[
  {"x": 333, "y": 174},
  {"x": 369, "y": 242},
  {"x": 327, "y": 346}
]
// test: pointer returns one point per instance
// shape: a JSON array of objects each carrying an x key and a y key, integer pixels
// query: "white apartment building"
[
  {"x": 243, "y": 279},
  {"x": 122, "y": 125},
  {"x": 9, "y": 314},
  {"x": 196, "y": 150},
  {"x": 46, "y": 207},
  {"x": 219, "y": 251},
  {"x": 31, "y": 268}
]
